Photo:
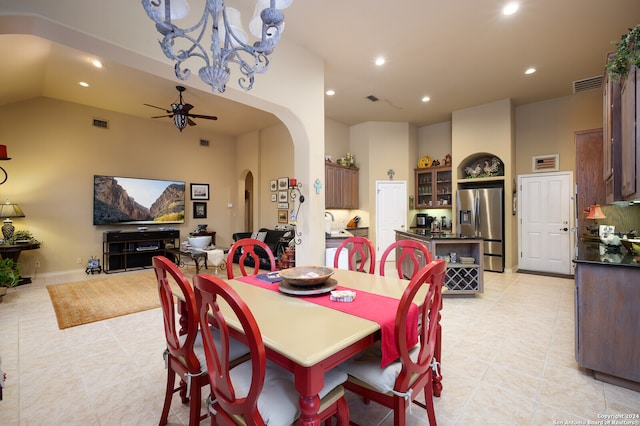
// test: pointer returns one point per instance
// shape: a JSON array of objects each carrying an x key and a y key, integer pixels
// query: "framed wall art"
[
  {"x": 283, "y": 206},
  {"x": 273, "y": 185},
  {"x": 199, "y": 210},
  {"x": 283, "y": 197},
  {"x": 283, "y": 184},
  {"x": 282, "y": 216},
  {"x": 199, "y": 191},
  {"x": 545, "y": 163},
  {"x": 274, "y": 198}
]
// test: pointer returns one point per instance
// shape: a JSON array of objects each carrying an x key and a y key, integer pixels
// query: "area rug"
[{"x": 102, "y": 298}]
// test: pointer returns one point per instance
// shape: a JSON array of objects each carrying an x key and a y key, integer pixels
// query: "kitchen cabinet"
[
  {"x": 611, "y": 146},
  {"x": 630, "y": 187},
  {"x": 607, "y": 296},
  {"x": 433, "y": 187},
  {"x": 341, "y": 187}
]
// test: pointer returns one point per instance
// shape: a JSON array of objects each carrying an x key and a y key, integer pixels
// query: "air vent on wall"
[
  {"x": 373, "y": 98},
  {"x": 204, "y": 142},
  {"x": 103, "y": 124},
  {"x": 587, "y": 84}
]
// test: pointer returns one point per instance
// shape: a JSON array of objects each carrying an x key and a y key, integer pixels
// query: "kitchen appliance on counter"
[
  {"x": 480, "y": 214},
  {"x": 423, "y": 220}
]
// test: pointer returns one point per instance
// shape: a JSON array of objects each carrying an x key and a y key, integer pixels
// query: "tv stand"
[{"x": 123, "y": 251}]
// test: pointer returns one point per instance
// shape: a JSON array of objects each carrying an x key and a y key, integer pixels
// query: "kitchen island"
[
  {"x": 607, "y": 297},
  {"x": 462, "y": 278}
]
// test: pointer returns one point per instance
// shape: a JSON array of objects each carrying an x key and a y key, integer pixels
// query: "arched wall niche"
[{"x": 481, "y": 165}]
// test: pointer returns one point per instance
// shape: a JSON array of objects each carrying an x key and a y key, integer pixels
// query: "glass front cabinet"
[{"x": 433, "y": 187}]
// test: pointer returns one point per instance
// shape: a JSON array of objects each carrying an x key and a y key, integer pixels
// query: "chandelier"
[{"x": 228, "y": 41}]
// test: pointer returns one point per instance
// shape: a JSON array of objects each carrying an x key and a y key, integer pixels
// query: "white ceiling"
[{"x": 460, "y": 53}]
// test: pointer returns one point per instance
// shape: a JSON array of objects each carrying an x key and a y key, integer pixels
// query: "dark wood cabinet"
[
  {"x": 630, "y": 188},
  {"x": 611, "y": 146},
  {"x": 341, "y": 187},
  {"x": 607, "y": 317},
  {"x": 433, "y": 188},
  {"x": 123, "y": 251}
]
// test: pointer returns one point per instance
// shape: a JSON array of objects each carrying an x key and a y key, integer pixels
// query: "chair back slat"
[
  {"x": 429, "y": 280},
  {"x": 165, "y": 271},
  {"x": 247, "y": 247},
  {"x": 210, "y": 293},
  {"x": 360, "y": 253},
  {"x": 406, "y": 249}
]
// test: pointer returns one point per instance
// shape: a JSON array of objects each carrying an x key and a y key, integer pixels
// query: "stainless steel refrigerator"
[{"x": 480, "y": 214}]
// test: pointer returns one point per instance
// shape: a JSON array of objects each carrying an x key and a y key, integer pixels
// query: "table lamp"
[
  {"x": 595, "y": 213},
  {"x": 7, "y": 212}
]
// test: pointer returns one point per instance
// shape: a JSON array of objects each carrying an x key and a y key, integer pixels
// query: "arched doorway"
[{"x": 248, "y": 202}]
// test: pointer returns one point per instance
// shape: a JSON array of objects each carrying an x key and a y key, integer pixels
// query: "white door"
[
  {"x": 545, "y": 214},
  {"x": 391, "y": 213}
]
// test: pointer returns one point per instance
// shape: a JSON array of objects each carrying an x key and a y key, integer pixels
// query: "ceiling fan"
[{"x": 180, "y": 112}]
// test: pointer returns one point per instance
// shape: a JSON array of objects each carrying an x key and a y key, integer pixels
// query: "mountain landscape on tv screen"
[{"x": 112, "y": 204}]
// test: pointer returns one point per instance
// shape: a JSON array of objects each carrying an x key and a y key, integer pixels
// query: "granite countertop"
[
  {"x": 427, "y": 235},
  {"x": 596, "y": 253}
]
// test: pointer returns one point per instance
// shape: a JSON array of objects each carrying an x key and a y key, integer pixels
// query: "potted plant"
[
  {"x": 9, "y": 275},
  {"x": 22, "y": 236},
  {"x": 626, "y": 55}
]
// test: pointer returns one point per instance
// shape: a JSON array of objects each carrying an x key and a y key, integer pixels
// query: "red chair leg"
[
  {"x": 195, "y": 402},
  {"x": 183, "y": 392},
  {"x": 171, "y": 381}
]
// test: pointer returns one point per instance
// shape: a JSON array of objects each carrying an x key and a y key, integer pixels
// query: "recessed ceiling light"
[
  {"x": 380, "y": 61},
  {"x": 510, "y": 8},
  {"x": 330, "y": 92},
  {"x": 530, "y": 70},
  {"x": 84, "y": 84},
  {"x": 426, "y": 99},
  {"x": 96, "y": 63}
]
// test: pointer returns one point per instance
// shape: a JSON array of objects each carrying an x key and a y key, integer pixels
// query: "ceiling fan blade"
[
  {"x": 187, "y": 107},
  {"x": 153, "y": 106},
  {"x": 190, "y": 121},
  {"x": 163, "y": 116},
  {"x": 206, "y": 117}
]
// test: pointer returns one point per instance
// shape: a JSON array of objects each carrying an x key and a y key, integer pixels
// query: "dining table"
[{"x": 308, "y": 337}]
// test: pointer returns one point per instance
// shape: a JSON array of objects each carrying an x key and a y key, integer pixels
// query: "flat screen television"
[{"x": 133, "y": 201}]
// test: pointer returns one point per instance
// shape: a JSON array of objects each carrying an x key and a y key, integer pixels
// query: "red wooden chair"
[
  {"x": 184, "y": 355},
  {"x": 255, "y": 392},
  {"x": 398, "y": 384},
  {"x": 249, "y": 248},
  {"x": 360, "y": 252},
  {"x": 406, "y": 250}
]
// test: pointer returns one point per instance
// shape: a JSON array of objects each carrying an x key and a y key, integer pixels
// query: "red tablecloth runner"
[{"x": 373, "y": 307}]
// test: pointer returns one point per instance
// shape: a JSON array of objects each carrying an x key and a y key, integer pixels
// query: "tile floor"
[{"x": 508, "y": 358}]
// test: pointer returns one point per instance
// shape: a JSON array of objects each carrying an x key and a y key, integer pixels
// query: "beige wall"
[{"x": 549, "y": 127}]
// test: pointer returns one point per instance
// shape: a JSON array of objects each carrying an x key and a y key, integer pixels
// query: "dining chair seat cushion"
[
  {"x": 278, "y": 402},
  {"x": 366, "y": 367},
  {"x": 236, "y": 349}
]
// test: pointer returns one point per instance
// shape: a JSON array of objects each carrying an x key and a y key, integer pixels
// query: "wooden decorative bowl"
[{"x": 303, "y": 276}]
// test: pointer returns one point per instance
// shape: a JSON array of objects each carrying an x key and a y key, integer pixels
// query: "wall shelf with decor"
[{"x": 123, "y": 251}]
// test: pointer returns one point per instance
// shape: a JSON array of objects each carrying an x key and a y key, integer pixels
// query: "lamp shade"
[
  {"x": 8, "y": 210},
  {"x": 178, "y": 9},
  {"x": 595, "y": 212}
]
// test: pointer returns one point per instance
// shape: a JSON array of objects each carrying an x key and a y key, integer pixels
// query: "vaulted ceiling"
[{"x": 459, "y": 53}]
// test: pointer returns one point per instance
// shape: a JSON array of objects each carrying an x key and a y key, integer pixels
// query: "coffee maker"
[{"x": 423, "y": 220}]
